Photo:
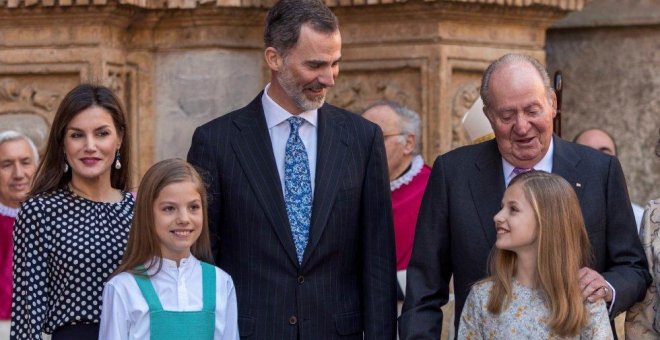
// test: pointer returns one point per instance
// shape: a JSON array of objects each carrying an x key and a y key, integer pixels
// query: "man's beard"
[{"x": 297, "y": 94}]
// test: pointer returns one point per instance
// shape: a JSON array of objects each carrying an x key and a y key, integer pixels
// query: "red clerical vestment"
[{"x": 407, "y": 192}]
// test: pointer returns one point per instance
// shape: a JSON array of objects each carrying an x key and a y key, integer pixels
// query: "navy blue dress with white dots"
[{"x": 65, "y": 247}]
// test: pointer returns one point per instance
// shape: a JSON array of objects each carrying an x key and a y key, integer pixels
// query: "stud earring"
[{"x": 117, "y": 162}]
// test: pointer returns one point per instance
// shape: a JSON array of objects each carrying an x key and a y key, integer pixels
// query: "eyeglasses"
[{"x": 393, "y": 134}]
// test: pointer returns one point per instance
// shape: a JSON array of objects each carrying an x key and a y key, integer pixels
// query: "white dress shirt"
[
  {"x": 125, "y": 313},
  {"x": 279, "y": 129},
  {"x": 545, "y": 164}
]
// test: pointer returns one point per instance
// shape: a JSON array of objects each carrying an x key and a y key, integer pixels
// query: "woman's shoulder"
[{"x": 124, "y": 279}]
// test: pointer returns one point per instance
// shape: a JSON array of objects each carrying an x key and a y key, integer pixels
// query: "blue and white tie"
[{"x": 297, "y": 187}]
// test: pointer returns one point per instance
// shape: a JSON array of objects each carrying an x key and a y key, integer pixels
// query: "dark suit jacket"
[
  {"x": 346, "y": 283},
  {"x": 455, "y": 229}
]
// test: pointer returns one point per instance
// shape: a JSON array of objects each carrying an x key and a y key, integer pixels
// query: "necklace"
[{"x": 80, "y": 193}]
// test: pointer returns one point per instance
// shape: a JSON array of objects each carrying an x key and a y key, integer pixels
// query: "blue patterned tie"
[{"x": 297, "y": 187}]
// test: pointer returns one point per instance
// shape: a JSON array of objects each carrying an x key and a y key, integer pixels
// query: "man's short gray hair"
[
  {"x": 11, "y": 135},
  {"x": 510, "y": 59},
  {"x": 410, "y": 121}
]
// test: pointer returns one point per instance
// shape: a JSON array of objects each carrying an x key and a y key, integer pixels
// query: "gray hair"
[
  {"x": 11, "y": 135},
  {"x": 507, "y": 59},
  {"x": 410, "y": 121},
  {"x": 286, "y": 17}
]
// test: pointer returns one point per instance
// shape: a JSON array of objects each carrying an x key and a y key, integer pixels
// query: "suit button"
[
  {"x": 293, "y": 320},
  {"x": 301, "y": 279}
]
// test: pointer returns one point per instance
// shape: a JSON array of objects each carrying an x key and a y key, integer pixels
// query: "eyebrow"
[{"x": 98, "y": 128}]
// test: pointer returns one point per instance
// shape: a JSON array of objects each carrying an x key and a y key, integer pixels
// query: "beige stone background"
[{"x": 179, "y": 63}]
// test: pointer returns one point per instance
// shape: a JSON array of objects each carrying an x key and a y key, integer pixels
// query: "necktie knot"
[
  {"x": 517, "y": 171},
  {"x": 295, "y": 123}
]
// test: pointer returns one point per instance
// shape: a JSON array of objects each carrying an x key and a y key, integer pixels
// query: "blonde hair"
[
  {"x": 143, "y": 244},
  {"x": 563, "y": 248}
]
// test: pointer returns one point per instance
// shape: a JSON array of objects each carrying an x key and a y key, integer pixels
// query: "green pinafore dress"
[{"x": 166, "y": 325}]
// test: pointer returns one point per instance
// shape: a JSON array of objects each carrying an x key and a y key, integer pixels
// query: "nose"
[
  {"x": 19, "y": 171},
  {"x": 327, "y": 78},
  {"x": 521, "y": 125},
  {"x": 499, "y": 217},
  {"x": 183, "y": 217},
  {"x": 90, "y": 144}
]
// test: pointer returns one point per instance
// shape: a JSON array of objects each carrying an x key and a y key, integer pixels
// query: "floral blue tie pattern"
[{"x": 297, "y": 187}]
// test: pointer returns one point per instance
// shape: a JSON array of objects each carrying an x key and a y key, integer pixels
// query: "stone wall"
[
  {"x": 610, "y": 58},
  {"x": 179, "y": 63}
]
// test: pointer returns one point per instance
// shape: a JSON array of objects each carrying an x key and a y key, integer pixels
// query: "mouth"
[
  {"x": 90, "y": 161},
  {"x": 20, "y": 186},
  {"x": 181, "y": 233},
  {"x": 501, "y": 230},
  {"x": 524, "y": 141}
]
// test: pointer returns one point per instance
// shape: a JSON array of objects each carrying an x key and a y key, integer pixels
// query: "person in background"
[
  {"x": 643, "y": 319},
  {"x": 455, "y": 230},
  {"x": 533, "y": 291},
  {"x": 18, "y": 162},
  {"x": 166, "y": 286},
  {"x": 71, "y": 232},
  {"x": 602, "y": 141},
  {"x": 408, "y": 176}
]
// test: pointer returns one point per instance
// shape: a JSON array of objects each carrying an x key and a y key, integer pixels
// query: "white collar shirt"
[
  {"x": 545, "y": 164},
  {"x": 279, "y": 129}
]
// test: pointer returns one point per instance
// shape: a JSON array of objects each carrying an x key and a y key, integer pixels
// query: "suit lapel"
[
  {"x": 254, "y": 151},
  {"x": 487, "y": 188},
  {"x": 564, "y": 163},
  {"x": 331, "y": 151}
]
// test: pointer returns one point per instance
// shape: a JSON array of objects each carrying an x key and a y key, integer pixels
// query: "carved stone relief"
[
  {"x": 465, "y": 96},
  {"x": 27, "y": 108},
  {"x": 355, "y": 90}
]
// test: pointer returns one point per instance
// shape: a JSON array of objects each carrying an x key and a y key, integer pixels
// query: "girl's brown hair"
[
  {"x": 563, "y": 248},
  {"x": 143, "y": 244},
  {"x": 50, "y": 173}
]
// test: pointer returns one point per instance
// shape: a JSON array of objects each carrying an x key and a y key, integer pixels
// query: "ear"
[
  {"x": 410, "y": 144},
  {"x": 273, "y": 59},
  {"x": 553, "y": 103}
]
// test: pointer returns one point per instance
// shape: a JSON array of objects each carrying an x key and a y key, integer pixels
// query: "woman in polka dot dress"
[
  {"x": 162, "y": 289},
  {"x": 71, "y": 233}
]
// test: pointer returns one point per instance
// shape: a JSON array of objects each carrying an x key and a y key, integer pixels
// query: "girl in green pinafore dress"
[{"x": 165, "y": 287}]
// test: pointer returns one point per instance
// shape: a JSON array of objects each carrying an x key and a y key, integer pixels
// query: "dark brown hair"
[
  {"x": 286, "y": 17},
  {"x": 50, "y": 174},
  {"x": 143, "y": 244}
]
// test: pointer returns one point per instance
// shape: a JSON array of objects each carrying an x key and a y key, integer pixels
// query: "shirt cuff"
[{"x": 611, "y": 303}]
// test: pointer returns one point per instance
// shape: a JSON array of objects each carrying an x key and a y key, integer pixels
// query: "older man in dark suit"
[
  {"x": 455, "y": 230},
  {"x": 299, "y": 197}
]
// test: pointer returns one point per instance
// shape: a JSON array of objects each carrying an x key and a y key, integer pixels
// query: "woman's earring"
[
  {"x": 117, "y": 162},
  {"x": 66, "y": 167}
]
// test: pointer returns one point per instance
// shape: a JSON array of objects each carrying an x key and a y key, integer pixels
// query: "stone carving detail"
[
  {"x": 11, "y": 91},
  {"x": 115, "y": 79},
  {"x": 463, "y": 100},
  {"x": 362, "y": 89},
  {"x": 25, "y": 107}
]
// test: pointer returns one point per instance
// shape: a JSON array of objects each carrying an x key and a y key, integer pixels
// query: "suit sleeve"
[
  {"x": 378, "y": 251},
  {"x": 429, "y": 273},
  {"x": 202, "y": 156},
  {"x": 627, "y": 269}
]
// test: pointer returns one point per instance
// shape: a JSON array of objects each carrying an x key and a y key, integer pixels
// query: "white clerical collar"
[
  {"x": 276, "y": 114},
  {"x": 544, "y": 164},
  {"x": 7, "y": 211},
  {"x": 416, "y": 167}
]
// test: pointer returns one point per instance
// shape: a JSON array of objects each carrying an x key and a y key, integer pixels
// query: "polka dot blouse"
[{"x": 65, "y": 247}]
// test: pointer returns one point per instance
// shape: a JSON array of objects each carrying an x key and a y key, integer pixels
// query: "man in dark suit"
[
  {"x": 455, "y": 230},
  {"x": 299, "y": 202}
]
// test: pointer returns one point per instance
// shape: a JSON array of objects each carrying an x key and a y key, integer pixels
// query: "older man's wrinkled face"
[
  {"x": 521, "y": 114},
  {"x": 17, "y": 167}
]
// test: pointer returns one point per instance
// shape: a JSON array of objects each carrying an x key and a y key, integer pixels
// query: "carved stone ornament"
[{"x": 463, "y": 100}]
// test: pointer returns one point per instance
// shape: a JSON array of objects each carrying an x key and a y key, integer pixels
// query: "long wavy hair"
[
  {"x": 563, "y": 248},
  {"x": 143, "y": 243},
  {"x": 50, "y": 173}
]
